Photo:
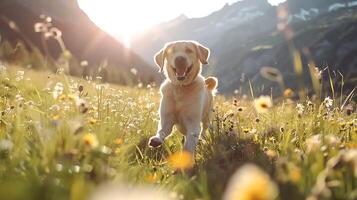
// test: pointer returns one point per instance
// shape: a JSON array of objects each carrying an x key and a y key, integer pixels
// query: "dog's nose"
[{"x": 180, "y": 61}]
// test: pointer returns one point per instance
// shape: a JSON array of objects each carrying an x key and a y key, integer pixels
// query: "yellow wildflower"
[
  {"x": 92, "y": 121},
  {"x": 288, "y": 93},
  {"x": 295, "y": 174},
  {"x": 181, "y": 160},
  {"x": 62, "y": 97},
  {"x": 251, "y": 183},
  {"x": 55, "y": 117},
  {"x": 152, "y": 178},
  {"x": 118, "y": 141},
  {"x": 90, "y": 140}
]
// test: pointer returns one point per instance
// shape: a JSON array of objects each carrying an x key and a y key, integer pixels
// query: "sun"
[{"x": 123, "y": 19}]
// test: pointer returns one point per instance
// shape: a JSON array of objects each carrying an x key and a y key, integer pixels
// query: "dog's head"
[{"x": 181, "y": 60}]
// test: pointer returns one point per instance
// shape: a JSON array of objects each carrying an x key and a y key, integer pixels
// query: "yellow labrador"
[{"x": 186, "y": 96}]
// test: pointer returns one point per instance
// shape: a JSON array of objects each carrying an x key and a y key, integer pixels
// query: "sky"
[{"x": 124, "y": 18}]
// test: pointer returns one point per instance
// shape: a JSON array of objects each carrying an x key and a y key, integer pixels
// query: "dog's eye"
[{"x": 189, "y": 51}]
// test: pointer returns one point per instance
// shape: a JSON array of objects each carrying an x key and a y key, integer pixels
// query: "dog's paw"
[{"x": 155, "y": 141}]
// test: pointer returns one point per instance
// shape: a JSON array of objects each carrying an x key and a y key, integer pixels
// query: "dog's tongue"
[{"x": 181, "y": 71}]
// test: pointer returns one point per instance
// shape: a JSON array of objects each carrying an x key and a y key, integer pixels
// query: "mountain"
[
  {"x": 80, "y": 35},
  {"x": 208, "y": 30},
  {"x": 243, "y": 38}
]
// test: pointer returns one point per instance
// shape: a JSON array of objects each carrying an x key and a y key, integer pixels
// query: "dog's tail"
[{"x": 211, "y": 83}]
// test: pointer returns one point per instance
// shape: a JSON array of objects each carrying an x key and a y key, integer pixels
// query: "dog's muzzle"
[{"x": 181, "y": 75}]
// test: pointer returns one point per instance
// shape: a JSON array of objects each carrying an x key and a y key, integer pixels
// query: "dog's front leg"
[
  {"x": 193, "y": 130},
  {"x": 167, "y": 121}
]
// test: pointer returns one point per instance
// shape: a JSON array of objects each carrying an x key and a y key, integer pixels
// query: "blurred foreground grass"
[{"x": 63, "y": 138}]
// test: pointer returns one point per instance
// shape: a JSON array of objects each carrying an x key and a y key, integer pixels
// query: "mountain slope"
[
  {"x": 240, "y": 49},
  {"x": 81, "y": 36},
  {"x": 207, "y": 30}
]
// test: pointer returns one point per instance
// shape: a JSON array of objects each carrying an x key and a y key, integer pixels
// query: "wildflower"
[
  {"x": 84, "y": 63},
  {"x": 181, "y": 160},
  {"x": 57, "y": 90},
  {"x": 134, "y": 71},
  {"x": 251, "y": 183},
  {"x": 295, "y": 174},
  {"x": 313, "y": 143},
  {"x": 19, "y": 75},
  {"x": 118, "y": 141},
  {"x": 328, "y": 102},
  {"x": 246, "y": 130},
  {"x": 55, "y": 117},
  {"x": 62, "y": 97},
  {"x": 288, "y": 93},
  {"x": 56, "y": 33},
  {"x": 262, "y": 104},
  {"x": 80, "y": 88},
  {"x": 40, "y": 27},
  {"x": 271, "y": 153},
  {"x": 128, "y": 192},
  {"x": 92, "y": 121},
  {"x": 90, "y": 140},
  {"x": 152, "y": 178},
  {"x": 6, "y": 145},
  {"x": 300, "y": 108},
  {"x": 117, "y": 151},
  {"x": 282, "y": 129}
]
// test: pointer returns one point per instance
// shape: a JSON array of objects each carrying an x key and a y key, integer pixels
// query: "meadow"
[{"x": 63, "y": 137}]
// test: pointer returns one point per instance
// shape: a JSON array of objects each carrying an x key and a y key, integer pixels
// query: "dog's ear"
[
  {"x": 160, "y": 58},
  {"x": 202, "y": 53}
]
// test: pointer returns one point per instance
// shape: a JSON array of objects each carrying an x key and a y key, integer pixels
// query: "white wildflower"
[
  {"x": 57, "y": 90},
  {"x": 19, "y": 75},
  {"x": 300, "y": 108},
  {"x": 6, "y": 145},
  {"x": 328, "y": 102}
]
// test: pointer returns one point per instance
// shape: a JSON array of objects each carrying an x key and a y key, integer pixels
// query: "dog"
[{"x": 186, "y": 96}]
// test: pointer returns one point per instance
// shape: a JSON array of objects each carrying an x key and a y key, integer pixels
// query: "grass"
[{"x": 63, "y": 138}]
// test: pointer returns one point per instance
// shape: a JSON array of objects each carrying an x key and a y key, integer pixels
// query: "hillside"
[
  {"x": 67, "y": 138},
  {"x": 81, "y": 37},
  {"x": 243, "y": 38}
]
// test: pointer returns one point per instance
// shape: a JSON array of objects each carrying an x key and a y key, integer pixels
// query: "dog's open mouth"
[{"x": 181, "y": 74}]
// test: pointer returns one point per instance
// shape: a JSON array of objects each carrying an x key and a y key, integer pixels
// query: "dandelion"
[
  {"x": 251, "y": 183},
  {"x": 181, "y": 160},
  {"x": 90, "y": 140},
  {"x": 288, "y": 93},
  {"x": 262, "y": 104}
]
